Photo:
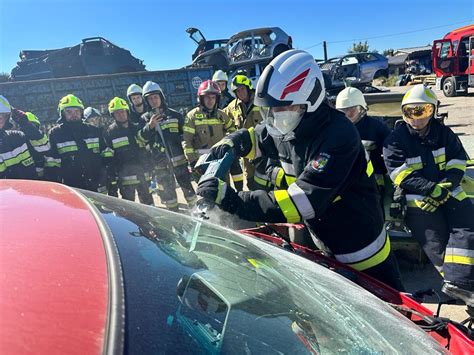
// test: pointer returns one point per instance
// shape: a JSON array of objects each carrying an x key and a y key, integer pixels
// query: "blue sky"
[{"x": 155, "y": 30}]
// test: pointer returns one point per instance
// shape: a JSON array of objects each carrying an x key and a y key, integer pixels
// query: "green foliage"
[
  {"x": 4, "y": 77},
  {"x": 387, "y": 52},
  {"x": 360, "y": 47}
]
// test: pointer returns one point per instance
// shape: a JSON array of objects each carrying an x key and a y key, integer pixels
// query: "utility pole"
[{"x": 325, "y": 48}]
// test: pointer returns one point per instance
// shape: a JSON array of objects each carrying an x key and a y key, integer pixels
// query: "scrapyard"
[{"x": 258, "y": 199}]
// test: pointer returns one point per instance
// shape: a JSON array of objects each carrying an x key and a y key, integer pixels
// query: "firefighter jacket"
[
  {"x": 373, "y": 132},
  {"x": 202, "y": 130},
  {"x": 166, "y": 144},
  {"x": 330, "y": 186},
  {"x": 127, "y": 144},
  {"x": 78, "y": 156},
  {"x": 16, "y": 161},
  {"x": 416, "y": 164},
  {"x": 244, "y": 115}
]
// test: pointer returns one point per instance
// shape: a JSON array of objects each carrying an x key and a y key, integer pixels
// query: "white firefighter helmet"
[
  {"x": 219, "y": 75},
  {"x": 151, "y": 87},
  {"x": 292, "y": 78},
  {"x": 350, "y": 97},
  {"x": 5, "y": 106},
  {"x": 133, "y": 90}
]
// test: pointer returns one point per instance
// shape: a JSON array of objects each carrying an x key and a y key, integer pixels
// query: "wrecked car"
[
  {"x": 256, "y": 45},
  {"x": 93, "y": 56},
  {"x": 360, "y": 68}
]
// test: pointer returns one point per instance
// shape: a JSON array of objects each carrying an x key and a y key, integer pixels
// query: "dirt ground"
[{"x": 418, "y": 277}]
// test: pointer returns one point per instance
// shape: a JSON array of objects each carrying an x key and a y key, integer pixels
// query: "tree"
[
  {"x": 360, "y": 48},
  {"x": 4, "y": 77},
  {"x": 388, "y": 52}
]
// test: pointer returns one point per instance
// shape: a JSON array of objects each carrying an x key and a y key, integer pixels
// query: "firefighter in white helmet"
[
  {"x": 328, "y": 184},
  {"x": 427, "y": 161},
  {"x": 221, "y": 78},
  {"x": 167, "y": 150},
  {"x": 372, "y": 130},
  {"x": 137, "y": 105}
]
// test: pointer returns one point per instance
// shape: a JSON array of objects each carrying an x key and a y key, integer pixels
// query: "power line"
[{"x": 389, "y": 35}]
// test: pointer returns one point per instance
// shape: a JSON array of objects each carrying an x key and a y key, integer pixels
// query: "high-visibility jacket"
[
  {"x": 78, "y": 156},
  {"x": 16, "y": 161},
  {"x": 202, "y": 129},
  {"x": 417, "y": 164},
  {"x": 167, "y": 144},
  {"x": 330, "y": 188},
  {"x": 127, "y": 144},
  {"x": 244, "y": 115}
]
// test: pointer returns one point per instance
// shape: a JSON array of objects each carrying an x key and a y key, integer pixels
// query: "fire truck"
[{"x": 453, "y": 61}]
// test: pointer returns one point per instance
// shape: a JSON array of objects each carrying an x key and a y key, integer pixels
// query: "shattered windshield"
[{"x": 192, "y": 286}]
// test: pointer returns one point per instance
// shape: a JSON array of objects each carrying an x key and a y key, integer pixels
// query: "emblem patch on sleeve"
[{"x": 320, "y": 162}]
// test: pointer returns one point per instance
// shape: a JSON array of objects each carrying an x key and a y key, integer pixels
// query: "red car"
[{"x": 87, "y": 273}]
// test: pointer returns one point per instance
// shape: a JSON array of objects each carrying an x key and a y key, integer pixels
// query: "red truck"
[{"x": 453, "y": 61}]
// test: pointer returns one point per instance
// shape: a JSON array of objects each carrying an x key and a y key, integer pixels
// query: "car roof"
[
  {"x": 55, "y": 290},
  {"x": 256, "y": 31}
]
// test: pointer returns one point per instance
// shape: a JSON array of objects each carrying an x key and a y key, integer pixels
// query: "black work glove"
[
  {"x": 217, "y": 191},
  {"x": 19, "y": 116},
  {"x": 219, "y": 149}
]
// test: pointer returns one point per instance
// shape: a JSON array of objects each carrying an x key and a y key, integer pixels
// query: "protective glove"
[
  {"x": 219, "y": 149},
  {"x": 438, "y": 196},
  {"x": 19, "y": 116},
  {"x": 217, "y": 191}
]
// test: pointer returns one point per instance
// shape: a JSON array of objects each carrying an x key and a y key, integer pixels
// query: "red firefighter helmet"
[{"x": 209, "y": 87}]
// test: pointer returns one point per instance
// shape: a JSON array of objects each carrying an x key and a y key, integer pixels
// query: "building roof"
[{"x": 411, "y": 50}]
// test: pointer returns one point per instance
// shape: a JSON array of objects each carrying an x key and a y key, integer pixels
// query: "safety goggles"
[{"x": 418, "y": 111}]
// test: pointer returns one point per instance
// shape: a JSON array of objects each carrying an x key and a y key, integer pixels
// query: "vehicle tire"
[
  {"x": 279, "y": 50},
  {"x": 449, "y": 87},
  {"x": 381, "y": 74}
]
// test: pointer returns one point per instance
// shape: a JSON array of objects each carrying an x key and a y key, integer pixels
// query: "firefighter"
[
  {"x": 372, "y": 131},
  {"x": 246, "y": 115},
  {"x": 78, "y": 155},
  {"x": 122, "y": 137},
  {"x": 137, "y": 104},
  {"x": 222, "y": 80},
  {"x": 92, "y": 116},
  {"x": 19, "y": 149},
  {"x": 137, "y": 108},
  {"x": 427, "y": 161},
  {"x": 167, "y": 149},
  {"x": 206, "y": 125},
  {"x": 334, "y": 192}
]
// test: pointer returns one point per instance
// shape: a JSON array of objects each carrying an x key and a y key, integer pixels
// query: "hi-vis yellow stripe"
[
  {"x": 253, "y": 151},
  {"x": 287, "y": 206},
  {"x": 458, "y": 259},
  {"x": 378, "y": 258}
]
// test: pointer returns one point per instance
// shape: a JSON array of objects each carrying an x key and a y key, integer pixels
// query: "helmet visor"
[{"x": 418, "y": 111}]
